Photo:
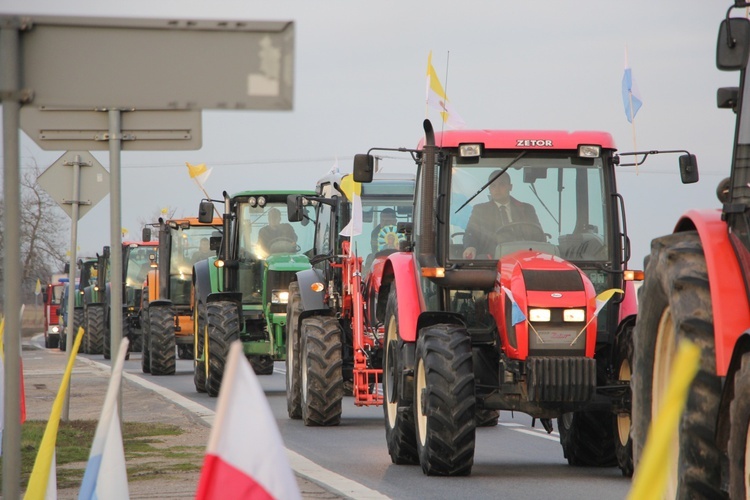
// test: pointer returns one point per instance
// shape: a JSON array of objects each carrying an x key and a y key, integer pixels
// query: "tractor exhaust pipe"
[{"x": 426, "y": 242}]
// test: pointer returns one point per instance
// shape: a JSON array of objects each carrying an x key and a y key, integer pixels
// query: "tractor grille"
[
  {"x": 278, "y": 280},
  {"x": 553, "y": 281},
  {"x": 561, "y": 379}
]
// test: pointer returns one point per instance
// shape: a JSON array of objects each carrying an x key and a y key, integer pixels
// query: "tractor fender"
[
  {"x": 629, "y": 304},
  {"x": 401, "y": 271},
  {"x": 741, "y": 347},
  {"x": 728, "y": 297},
  {"x": 311, "y": 300},
  {"x": 201, "y": 280},
  {"x": 160, "y": 302}
]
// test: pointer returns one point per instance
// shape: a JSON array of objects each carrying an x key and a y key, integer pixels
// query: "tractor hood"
[{"x": 287, "y": 262}]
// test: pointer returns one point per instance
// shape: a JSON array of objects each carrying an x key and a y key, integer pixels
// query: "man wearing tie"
[{"x": 480, "y": 238}]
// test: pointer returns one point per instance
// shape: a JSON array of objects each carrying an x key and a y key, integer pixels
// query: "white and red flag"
[{"x": 240, "y": 463}]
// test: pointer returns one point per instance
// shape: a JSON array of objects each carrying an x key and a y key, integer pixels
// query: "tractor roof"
[
  {"x": 271, "y": 194},
  {"x": 522, "y": 139}
]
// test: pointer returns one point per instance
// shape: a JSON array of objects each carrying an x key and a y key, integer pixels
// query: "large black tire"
[
  {"x": 63, "y": 341},
  {"x": 200, "y": 334},
  {"x": 739, "y": 423},
  {"x": 623, "y": 363},
  {"x": 444, "y": 401},
  {"x": 107, "y": 350},
  {"x": 146, "y": 352},
  {"x": 161, "y": 340},
  {"x": 587, "y": 438},
  {"x": 400, "y": 433},
  {"x": 675, "y": 305},
  {"x": 322, "y": 381},
  {"x": 184, "y": 351},
  {"x": 262, "y": 365},
  {"x": 94, "y": 317},
  {"x": 293, "y": 374},
  {"x": 223, "y": 329}
]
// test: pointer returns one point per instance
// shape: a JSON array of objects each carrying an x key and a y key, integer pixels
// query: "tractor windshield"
[
  {"x": 263, "y": 232},
  {"x": 138, "y": 265},
  {"x": 551, "y": 201},
  {"x": 189, "y": 244}
]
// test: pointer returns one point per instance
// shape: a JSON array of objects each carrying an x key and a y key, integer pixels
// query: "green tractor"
[
  {"x": 88, "y": 276},
  {"x": 242, "y": 293}
]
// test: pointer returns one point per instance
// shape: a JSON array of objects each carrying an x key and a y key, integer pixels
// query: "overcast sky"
[{"x": 359, "y": 82}]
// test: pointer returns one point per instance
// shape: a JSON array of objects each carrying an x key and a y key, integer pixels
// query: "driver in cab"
[
  {"x": 275, "y": 231},
  {"x": 487, "y": 218}
]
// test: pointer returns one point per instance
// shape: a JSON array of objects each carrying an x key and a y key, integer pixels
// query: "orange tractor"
[
  {"x": 696, "y": 288},
  {"x": 166, "y": 313}
]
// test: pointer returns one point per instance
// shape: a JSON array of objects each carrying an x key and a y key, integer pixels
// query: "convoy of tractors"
[{"x": 496, "y": 278}]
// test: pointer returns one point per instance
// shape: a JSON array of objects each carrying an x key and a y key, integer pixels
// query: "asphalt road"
[{"x": 512, "y": 460}]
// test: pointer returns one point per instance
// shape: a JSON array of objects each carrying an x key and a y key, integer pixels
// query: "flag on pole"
[
  {"x": 604, "y": 297},
  {"x": 517, "y": 315},
  {"x": 631, "y": 97},
  {"x": 355, "y": 224},
  {"x": 199, "y": 172},
  {"x": 437, "y": 99},
  {"x": 40, "y": 474},
  {"x": 106, "y": 475},
  {"x": 239, "y": 464},
  {"x": 38, "y": 288},
  {"x": 650, "y": 479}
]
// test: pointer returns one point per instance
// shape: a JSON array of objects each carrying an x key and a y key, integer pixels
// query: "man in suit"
[{"x": 480, "y": 238}]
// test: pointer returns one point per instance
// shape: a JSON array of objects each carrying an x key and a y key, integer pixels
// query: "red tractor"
[
  {"x": 52, "y": 314},
  {"x": 483, "y": 314},
  {"x": 696, "y": 288}
]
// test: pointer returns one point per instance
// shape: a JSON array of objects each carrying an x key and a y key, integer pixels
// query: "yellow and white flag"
[
  {"x": 198, "y": 172},
  {"x": 437, "y": 99}
]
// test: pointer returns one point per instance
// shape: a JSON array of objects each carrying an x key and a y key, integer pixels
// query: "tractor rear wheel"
[
  {"x": 185, "y": 351},
  {"x": 161, "y": 340},
  {"x": 675, "y": 305},
  {"x": 107, "y": 350},
  {"x": 262, "y": 365},
  {"x": 400, "y": 433},
  {"x": 322, "y": 383},
  {"x": 293, "y": 374},
  {"x": 94, "y": 315},
  {"x": 623, "y": 362},
  {"x": 444, "y": 401},
  {"x": 587, "y": 438},
  {"x": 223, "y": 329},
  {"x": 739, "y": 432},
  {"x": 63, "y": 341},
  {"x": 200, "y": 335}
]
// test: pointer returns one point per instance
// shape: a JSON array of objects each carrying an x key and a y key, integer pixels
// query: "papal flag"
[
  {"x": 198, "y": 172},
  {"x": 437, "y": 99}
]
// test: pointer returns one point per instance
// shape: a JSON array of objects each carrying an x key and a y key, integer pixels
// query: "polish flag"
[{"x": 245, "y": 457}]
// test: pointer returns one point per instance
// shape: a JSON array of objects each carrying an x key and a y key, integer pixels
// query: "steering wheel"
[
  {"x": 283, "y": 244},
  {"x": 521, "y": 231},
  {"x": 388, "y": 238}
]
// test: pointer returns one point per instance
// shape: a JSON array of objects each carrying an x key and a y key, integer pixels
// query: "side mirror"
[
  {"x": 294, "y": 208},
  {"x": 44, "y": 297},
  {"x": 105, "y": 252},
  {"x": 364, "y": 167},
  {"x": 66, "y": 269},
  {"x": 726, "y": 97},
  {"x": 206, "y": 212},
  {"x": 734, "y": 44},
  {"x": 214, "y": 243},
  {"x": 722, "y": 190},
  {"x": 688, "y": 169},
  {"x": 146, "y": 234}
]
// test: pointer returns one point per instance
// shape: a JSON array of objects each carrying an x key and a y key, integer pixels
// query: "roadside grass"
[{"x": 145, "y": 454}]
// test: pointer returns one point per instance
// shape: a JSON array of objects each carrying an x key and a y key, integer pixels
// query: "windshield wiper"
[{"x": 490, "y": 181}]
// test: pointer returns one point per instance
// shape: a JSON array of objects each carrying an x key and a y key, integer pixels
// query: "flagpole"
[{"x": 200, "y": 186}]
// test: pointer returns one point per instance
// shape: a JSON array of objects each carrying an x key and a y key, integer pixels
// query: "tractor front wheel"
[
  {"x": 293, "y": 374},
  {"x": 444, "y": 401},
  {"x": 200, "y": 335},
  {"x": 94, "y": 318},
  {"x": 223, "y": 329},
  {"x": 675, "y": 305},
  {"x": 739, "y": 433},
  {"x": 623, "y": 362},
  {"x": 587, "y": 438},
  {"x": 161, "y": 340},
  {"x": 262, "y": 365},
  {"x": 322, "y": 381},
  {"x": 400, "y": 434}
]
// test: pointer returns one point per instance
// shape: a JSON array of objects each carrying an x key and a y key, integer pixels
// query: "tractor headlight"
[
  {"x": 589, "y": 151},
  {"x": 279, "y": 297},
  {"x": 470, "y": 150},
  {"x": 539, "y": 315},
  {"x": 55, "y": 329},
  {"x": 262, "y": 201},
  {"x": 574, "y": 315}
]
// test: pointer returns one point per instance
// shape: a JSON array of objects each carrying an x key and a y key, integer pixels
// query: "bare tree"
[
  {"x": 43, "y": 229},
  {"x": 153, "y": 220}
]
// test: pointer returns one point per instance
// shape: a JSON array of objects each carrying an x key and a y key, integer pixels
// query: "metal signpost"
[{"x": 63, "y": 66}]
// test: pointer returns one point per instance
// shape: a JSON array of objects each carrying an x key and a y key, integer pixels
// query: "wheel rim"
[
  {"x": 420, "y": 403},
  {"x": 389, "y": 373},
  {"x": 663, "y": 360},
  {"x": 623, "y": 419},
  {"x": 746, "y": 470}
]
